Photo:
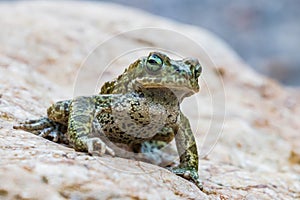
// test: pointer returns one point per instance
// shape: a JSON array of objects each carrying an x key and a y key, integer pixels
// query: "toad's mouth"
[
  {"x": 177, "y": 90},
  {"x": 171, "y": 87}
]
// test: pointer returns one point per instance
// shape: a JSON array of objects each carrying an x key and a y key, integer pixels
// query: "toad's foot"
[
  {"x": 94, "y": 146},
  {"x": 188, "y": 173},
  {"x": 158, "y": 153},
  {"x": 45, "y": 128}
]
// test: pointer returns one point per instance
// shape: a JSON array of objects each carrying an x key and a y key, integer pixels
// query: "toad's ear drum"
[{"x": 154, "y": 63}]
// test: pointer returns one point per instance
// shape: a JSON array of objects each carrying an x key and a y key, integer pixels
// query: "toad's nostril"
[
  {"x": 197, "y": 70},
  {"x": 191, "y": 61}
]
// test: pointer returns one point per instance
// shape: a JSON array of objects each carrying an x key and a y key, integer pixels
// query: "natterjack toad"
[{"x": 139, "y": 109}]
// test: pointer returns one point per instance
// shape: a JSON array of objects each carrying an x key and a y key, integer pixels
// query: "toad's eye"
[{"x": 154, "y": 63}]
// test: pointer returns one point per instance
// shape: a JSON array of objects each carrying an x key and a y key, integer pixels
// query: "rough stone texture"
[{"x": 42, "y": 47}]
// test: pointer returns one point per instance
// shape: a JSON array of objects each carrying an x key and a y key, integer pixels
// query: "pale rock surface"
[{"x": 43, "y": 44}]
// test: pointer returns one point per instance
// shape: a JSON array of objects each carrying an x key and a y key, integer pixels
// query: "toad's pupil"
[{"x": 153, "y": 62}]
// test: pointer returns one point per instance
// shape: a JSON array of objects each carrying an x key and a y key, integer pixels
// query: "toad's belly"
[
  {"x": 129, "y": 131},
  {"x": 134, "y": 119}
]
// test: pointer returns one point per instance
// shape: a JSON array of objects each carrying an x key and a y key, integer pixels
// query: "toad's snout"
[{"x": 195, "y": 66}]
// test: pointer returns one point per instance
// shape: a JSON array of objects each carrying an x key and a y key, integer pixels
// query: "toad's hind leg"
[
  {"x": 159, "y": 153},
  {"x": 35, "y": 125},
  {"x": 159, "y": 150},
  {"x": 53, "y": 127},
  {"x": 59, "y": 112},
  {"x": 45, "y": 128}
]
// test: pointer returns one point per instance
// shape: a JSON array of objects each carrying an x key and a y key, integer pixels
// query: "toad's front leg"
[
  {"x": 80, "y": 126},
  {"x": 187, "y": 150}
]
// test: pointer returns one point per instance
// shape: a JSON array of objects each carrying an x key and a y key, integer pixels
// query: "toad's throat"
[{"x": 167, "y": 91}]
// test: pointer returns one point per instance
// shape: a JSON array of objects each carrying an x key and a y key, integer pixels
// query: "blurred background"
[{"x": 265, "y": 33}]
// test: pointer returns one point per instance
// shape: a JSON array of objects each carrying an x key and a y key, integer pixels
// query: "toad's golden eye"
[{"x": 154, "y": 63}]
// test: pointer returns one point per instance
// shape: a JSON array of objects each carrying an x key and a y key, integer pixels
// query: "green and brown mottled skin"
[{"x": 140, "y": 109}]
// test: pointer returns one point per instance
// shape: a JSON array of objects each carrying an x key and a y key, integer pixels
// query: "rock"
[{"x": 43, "y": 44}]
